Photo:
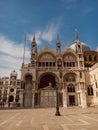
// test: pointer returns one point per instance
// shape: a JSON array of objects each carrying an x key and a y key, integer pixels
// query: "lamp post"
[{"x": 57, "y": 102}]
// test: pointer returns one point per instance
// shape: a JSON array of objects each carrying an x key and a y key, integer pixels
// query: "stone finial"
[
  {"x": 58, "y": 39},
  {"x": 33, "y": 38},
  {"x": 47, "y": 44}
]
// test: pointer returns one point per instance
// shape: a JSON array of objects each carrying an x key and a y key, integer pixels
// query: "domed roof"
[
  {"x": 46, "y": 49},
  {"x": 85, "y": 47},
  {"x": 14, "y": 73}
]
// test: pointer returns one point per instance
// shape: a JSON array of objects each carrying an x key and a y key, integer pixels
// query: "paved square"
[{"x": 44, "y": 119}]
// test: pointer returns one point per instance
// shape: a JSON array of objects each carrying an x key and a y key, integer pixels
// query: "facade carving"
[{"x": 73, "y": 70}]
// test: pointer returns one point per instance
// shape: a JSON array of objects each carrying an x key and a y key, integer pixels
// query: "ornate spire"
[
  {"x": 58, "y": 46},
  {"x": 77, "y": 37},
  {"x": 78, "y": 43},
  {"x": 34, "y": 38},
  {"x": 33, "y": 51},
  {"x": 24, "y": 49},
  {"x": 47, "y": 44},
  {"x": 58, "y": 40},
  {"x": 34, "y": 45}
]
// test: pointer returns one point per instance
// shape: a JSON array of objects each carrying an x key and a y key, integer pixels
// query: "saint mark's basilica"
[{"x": 74, "y": 70}]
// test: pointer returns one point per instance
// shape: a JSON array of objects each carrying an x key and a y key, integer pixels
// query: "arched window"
[
  {"x": 11, "y": 98},
  {"x": 80, "y": 74},
  {"x": 28, "y": 79},
  {"x": 95, "y": 58},
  {"x": 90, "y": 91},
  {"x": 67, "y": 89},
  {"x": 90, "y": 58},
  {"x": 71, "y": 88},
  {"x": 85, "y": 58},
  {"x": 73, "y": 64}
]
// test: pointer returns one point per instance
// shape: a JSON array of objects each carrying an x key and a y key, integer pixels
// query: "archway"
[
  {"x": 11, "y": 98},
  {"x": 47, "y": 86},
  {"x": 46, "y": 79}
]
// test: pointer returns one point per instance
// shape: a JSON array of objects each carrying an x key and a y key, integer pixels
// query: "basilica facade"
[{"x": 73, "y": 72}]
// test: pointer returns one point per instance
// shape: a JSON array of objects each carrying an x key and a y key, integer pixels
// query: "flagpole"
[{"x": 24, "y": 49}]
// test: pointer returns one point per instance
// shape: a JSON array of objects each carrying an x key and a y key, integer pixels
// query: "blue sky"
[{"x": 46, "y": 19}]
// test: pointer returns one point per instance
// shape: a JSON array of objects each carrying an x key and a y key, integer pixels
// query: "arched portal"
[
  {"x": 47, "y": 85},
  {"x": 46, "y": 79},
  {"x": 28, "y": 91}
]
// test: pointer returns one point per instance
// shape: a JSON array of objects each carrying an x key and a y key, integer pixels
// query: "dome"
[
  {"x": 85, "y": 47},
  {"x": 14, "y": 73}
]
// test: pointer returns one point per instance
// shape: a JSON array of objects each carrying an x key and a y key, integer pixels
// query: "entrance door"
[
  {"x": 36, "y": 99},
  {"x": 72, "y": 100},
  {"x": 48, "y": 98}
]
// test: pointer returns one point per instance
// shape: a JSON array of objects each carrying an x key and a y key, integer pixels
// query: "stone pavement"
[{"x": 72, "y": 118}]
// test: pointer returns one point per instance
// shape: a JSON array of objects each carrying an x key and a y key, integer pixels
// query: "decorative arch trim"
[
  {"x": 47, "y": 56},
  {"x": 70, "y": 77}
]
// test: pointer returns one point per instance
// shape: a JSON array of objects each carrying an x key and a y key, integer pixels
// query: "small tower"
[
  {"x": 13, "y": 78},
  {"x": 33, "y": 52},
  {"x": 79, "y": 51},
  {"x": 13, "y": 75}
]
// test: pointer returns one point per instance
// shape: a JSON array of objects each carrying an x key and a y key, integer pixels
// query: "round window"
[{"x": 11, "y": 90}]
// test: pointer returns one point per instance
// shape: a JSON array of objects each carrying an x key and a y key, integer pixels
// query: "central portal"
[
  {"x": 46, "y": 79},
  {"x": 47, "y": 90}
]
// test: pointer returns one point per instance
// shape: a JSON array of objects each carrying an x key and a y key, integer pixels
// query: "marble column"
[
  {"x": 83, "y": 99},
  {"x": 64, "y": 98},
  {"x": 33, "y": 99},
  {"x": 79, "y": 99},
  {"x": 21, "y": 99}
]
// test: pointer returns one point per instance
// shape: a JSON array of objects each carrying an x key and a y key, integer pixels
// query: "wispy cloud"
[
  {"x": 48, "y": 33},
  {"x": 9, "y": 63},
  {"x": 11, "y": 55},
  {"x": 11, "y": 48},
  {"x": 69, "y": 3},
  {"x": 87, "y": 10}
]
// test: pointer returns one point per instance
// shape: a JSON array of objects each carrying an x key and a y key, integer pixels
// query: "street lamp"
[{"x": 57, "y": 102}]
